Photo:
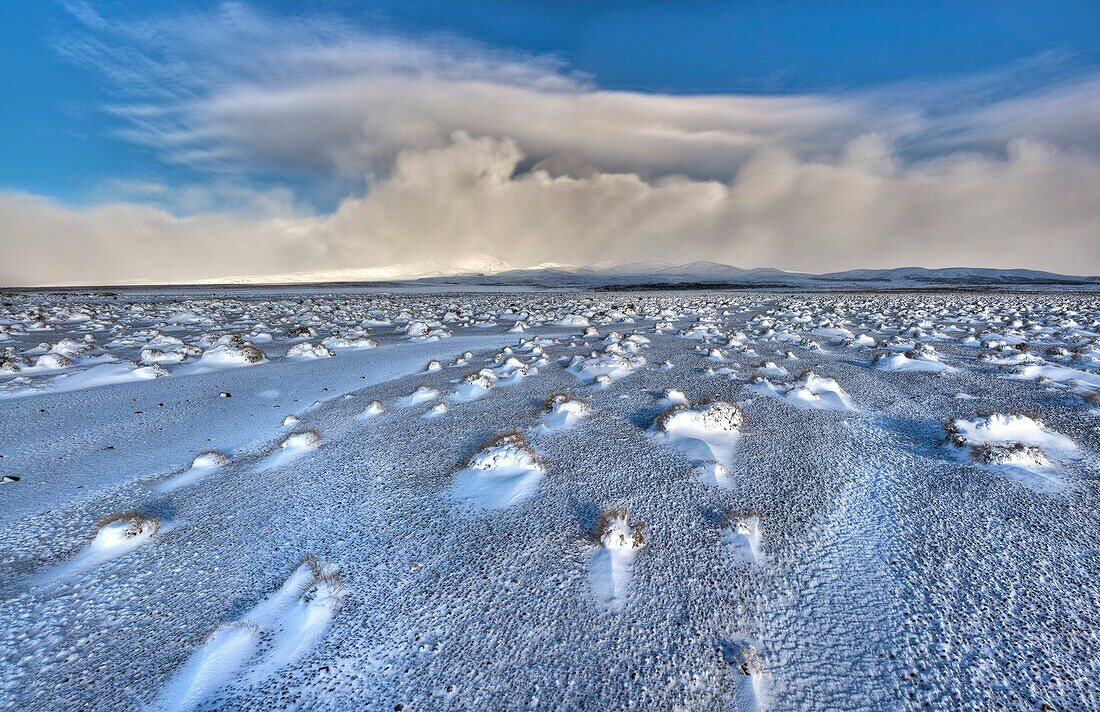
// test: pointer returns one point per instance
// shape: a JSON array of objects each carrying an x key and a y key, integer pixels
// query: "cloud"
[
  {"x": 466, "y": 149},
  {"x": 236, "y": 88},
  {"x": 1036, "y": 207}
]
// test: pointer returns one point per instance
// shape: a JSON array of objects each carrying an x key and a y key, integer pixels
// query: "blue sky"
[
  {"x": 150, "y": 104},
  {"x": 60, "y": 142}
]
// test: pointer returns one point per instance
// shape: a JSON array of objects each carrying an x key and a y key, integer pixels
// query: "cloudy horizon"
[{"x": 279, "y": 143}]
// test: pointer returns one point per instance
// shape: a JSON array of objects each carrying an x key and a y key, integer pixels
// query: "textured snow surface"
[{"x": 346, "y": 500}]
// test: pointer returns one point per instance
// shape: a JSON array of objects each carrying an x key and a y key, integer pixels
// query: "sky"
[{"x": 177, "y": 141}]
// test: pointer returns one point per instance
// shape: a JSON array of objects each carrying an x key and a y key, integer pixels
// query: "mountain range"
[
  {"x": 656, "y": 275},
  {"x": 481, "y": 270}
]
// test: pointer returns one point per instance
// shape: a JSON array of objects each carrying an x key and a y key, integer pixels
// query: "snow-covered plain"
[{"x": 650, "y": 501}]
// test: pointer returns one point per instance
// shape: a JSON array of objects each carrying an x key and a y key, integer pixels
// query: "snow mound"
[
  {"x": 422, "y": 394},
  {"x": 436, "y": 411},
  {"x": 306, "y": 350},
  {"x": 474, "y": 386},
  {"x": 343, "y": 343},
  {"x": 1016, "y": 445},
  {"x": 1059, "y": 374},
  {"x": 291, "y": 448},
  {"x": 743, "y": 536},
  {"x": 810, "y": 391},
  {"x": 706, "y": 433},
  {"x": 573, "y": 320},
  {"x": 610, "y": 567},
  {"x": 116, "y": 536},
  {"x": 202, "y": 465},
  {"x": 604, "y": 368},
  {"x": 230, "y": 352},
  {"x": 561, "y": 411},
  {"x": 923, "y": 358},
  {"x": 374, "y": 409},
  {"x": 505, "y": 472},
  {"x": 274, "y": 634}
]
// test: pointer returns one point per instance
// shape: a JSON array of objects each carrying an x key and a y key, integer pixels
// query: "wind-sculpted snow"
[
  {"x": 1020, "y": 446},
  {"x": 707, "y": 434},
  {"x": 325, "y": 498},
  {"x": 561, "y": 411},
  {"x": 610, "y": 567},
  {"x": 505, "y": 472}
]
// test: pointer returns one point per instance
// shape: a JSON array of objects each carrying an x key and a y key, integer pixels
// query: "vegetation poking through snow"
[
  {"x": 507, "y": 444},
  {"x": 613, "y": 529},
  {"x": 709, "y": 414},
  {"x": 138, "y": 523},
  {"x": 558, "y": 398},
  {"x": 325, "y": 583}
]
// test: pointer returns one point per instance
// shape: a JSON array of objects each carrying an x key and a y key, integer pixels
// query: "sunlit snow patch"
[
  {"x": 211, "y": 667},
  {"x": 604, "y": 368},
  {"x": 1018, "y": 446},
  {"x": 1060, "y": 374},
  {"x": 276, "y": 633},
  {"x": 374, "y": 409},
  {"x": 203, "y": 465},
  {"x": 743, "y": 536},
  {"x": 228, "y": 352},
  {"x": 101, "y": 375},
  {"x": 809, "y": 391},
  {"x": 611, "y": 566},
  {"x": 572, "y": 320},
  {"x": 753, "y": 679},
  {"x": 505, "y": 472},
  {"x": 561, "y": 411},
  {"x": 117, "y": 535},
  {"x": 473, "y": 386},
  {"x": 305, "y": 351},
  {"x": 923, "y": 358},
  {"x": 293, "y": 447},
  {"x": 422, "y": 394},
  {"x": 706, "y": 433},
  {"x": 439, "y": 409}
]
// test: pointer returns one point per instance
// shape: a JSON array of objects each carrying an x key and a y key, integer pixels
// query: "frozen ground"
[{"x": 558, "y": 500}]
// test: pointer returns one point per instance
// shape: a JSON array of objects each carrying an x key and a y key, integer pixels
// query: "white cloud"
[
  {"x": 1037, "y": 207},
  {"x": 469, "y": 150}
]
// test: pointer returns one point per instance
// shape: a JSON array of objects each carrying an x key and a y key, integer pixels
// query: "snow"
[
  {"x": 706, "y": 434},
  {"x": 422, "y": 394},
  {"x": 562, "y": 412},
  {"x": 808, "y": 391},
  {"x": 275, "y": 633},
  {"x": 744, "y": 537},
  {"x": 292, "y": 448},
  {"x": 611, "y": 566},
  {"x": 792, "y": 527},
  {"x": 1017, "y": 445},
  {"x": 500, "y": 475},
  {"x": 912, "y": 362},
  {"x": 114, "y": 538},
  {"x": 203, "y": 465},
  {"x": 374, "y": 409},
  {"x": 102, "y": 375}
]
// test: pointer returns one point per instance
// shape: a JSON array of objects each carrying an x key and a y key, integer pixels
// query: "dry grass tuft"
[
  {"x": 138, "y": 522},
  {"x": 661, "y": 421},
  {"x": 609, "y": 516},
  {"x": 509, "y": 439},
  {"x": 322, "y": 574},
  {"x": 736, "y": 515},
  {"x": 557, "y": 398}
]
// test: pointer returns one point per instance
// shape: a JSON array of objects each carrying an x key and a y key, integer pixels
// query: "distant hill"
[{"x": 715, "y": 275}]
